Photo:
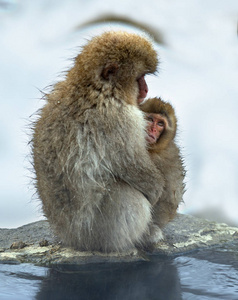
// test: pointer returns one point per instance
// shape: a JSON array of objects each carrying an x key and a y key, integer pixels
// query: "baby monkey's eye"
[
  {"x": 160, "y": 123},
  {"x": 150, "y": 119}
]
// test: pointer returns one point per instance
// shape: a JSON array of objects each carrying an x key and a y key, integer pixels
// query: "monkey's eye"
[
  {"x": 161, "y": 124},
  {"x": 150, "y": 119}
]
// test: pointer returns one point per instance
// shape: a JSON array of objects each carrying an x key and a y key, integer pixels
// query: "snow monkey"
[
  {"x": 161, "y": 131},
  {"x": 94, "y": 173}
]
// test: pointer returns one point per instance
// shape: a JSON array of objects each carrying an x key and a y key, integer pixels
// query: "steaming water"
[{"x": 204, "y": 275}]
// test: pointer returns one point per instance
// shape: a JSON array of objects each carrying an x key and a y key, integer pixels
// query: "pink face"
[
  {"x": 156, "y": 125},
  {"x": 143, "y": 89}
]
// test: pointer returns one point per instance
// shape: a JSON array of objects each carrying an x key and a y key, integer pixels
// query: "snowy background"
[{"x": 198, "y": 75}]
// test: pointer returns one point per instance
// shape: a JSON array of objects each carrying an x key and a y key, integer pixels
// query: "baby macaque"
[
  {"x": 94, "y": 174},
  {"x": 161, "y": 131}
]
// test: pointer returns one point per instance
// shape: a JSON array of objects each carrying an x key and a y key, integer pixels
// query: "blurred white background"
[{"x": 198, "y": 75}]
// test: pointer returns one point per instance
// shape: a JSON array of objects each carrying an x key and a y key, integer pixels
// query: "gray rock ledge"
[{"x": 35, "y": 243}]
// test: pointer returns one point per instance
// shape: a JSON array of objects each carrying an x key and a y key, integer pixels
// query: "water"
[{"x": 204, "y": 275}]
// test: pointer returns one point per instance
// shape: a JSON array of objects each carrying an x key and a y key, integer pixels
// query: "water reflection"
[
  {"x": 200, "y": 278},
  {"x": 20, "y": 282},
  {"x": 203, "y": 275},
  {"x": 146, "y": 280},
  {"x": 210, "y": 274}
]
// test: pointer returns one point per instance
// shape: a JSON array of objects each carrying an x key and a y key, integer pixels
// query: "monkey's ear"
[{"x": 109, "y": 71}]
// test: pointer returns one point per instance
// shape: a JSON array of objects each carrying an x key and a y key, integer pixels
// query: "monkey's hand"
[
  {"x": 156, "y": 192},
  {"x": 149, "y": 181}
]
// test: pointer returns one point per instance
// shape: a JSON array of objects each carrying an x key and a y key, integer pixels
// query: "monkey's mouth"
[
  {"x": 143, "y": 88},
  {"x": 150, "y": 139},
  {"x": 151, "y": 136}
]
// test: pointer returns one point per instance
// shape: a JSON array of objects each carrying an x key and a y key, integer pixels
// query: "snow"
[{"x": 198, "y": 75}]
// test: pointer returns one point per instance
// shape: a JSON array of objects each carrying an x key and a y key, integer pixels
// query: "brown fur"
[
  {"x": 166, "y": 155},
  {"x": 94, "y": 174}
]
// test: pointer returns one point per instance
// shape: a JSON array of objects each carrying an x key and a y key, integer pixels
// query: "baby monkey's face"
[{"x": 156, "y": 125}]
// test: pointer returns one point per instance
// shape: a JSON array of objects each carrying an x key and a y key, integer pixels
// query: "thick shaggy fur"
[
  {"x": 166, "y": 156},
  {"x": 94, "y": 174}
]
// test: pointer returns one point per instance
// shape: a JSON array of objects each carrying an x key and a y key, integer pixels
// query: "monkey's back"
[{"x": 75, "y": 156}]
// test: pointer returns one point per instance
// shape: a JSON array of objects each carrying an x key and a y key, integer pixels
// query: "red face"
[
  {"x": 143, "y": 89},
  {"x": 156, "y": 125}
]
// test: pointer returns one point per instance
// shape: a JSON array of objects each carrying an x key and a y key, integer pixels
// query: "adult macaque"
[
  {"x": 94, "y": 174},
  {"x": 161, "y": 131}
]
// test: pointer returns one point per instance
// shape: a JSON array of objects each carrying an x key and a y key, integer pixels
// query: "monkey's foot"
[
  {"x": 151, "y": 238},
  {"x": 155, "y": 234}
]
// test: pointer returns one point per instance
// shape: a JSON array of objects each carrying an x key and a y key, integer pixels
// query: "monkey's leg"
[{"x": 117, "y": 223}]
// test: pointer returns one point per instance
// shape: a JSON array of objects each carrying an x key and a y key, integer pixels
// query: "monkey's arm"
[
  {"x": 128, "y": 156},
  {"x": 140, "y": 172}
]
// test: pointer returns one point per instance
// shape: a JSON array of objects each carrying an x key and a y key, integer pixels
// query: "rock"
[
  {"x": 44, "y": 243},
  {"x": 185, "y": 233},
  {"x": 31, "y": 233},
  {"x": 18, "y": 245}
]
